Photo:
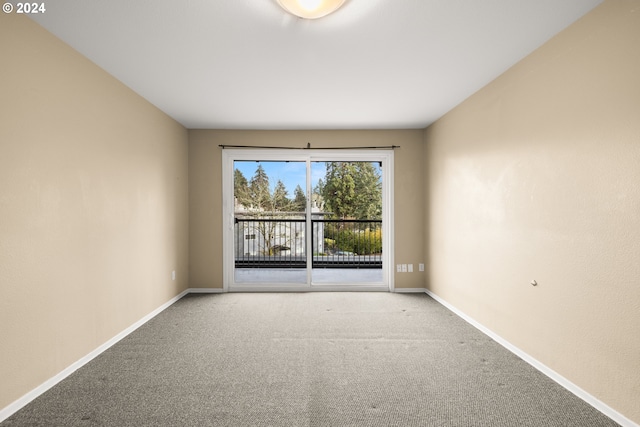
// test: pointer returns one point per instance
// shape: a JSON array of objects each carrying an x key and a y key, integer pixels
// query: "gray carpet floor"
[{"x": 307, "y": 359}]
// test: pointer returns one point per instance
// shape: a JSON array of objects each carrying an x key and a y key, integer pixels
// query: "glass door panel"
[
  {"x": 270, "y": 205},
  {"x": 346, "y": 217}
]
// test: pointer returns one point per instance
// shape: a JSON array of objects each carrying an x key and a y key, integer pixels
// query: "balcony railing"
[{"x": 281, "y": 243}]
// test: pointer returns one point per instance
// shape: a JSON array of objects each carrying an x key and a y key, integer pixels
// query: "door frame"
[{"x": 229, "y": 156}]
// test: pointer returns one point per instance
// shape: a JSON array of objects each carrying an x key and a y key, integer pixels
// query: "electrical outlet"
[
  {"x": 399, "y": 268},
  {"x": 404, "y": 268},
  {"x": 421, "y": 267}
]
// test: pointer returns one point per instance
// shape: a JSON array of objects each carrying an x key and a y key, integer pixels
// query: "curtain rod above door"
[{"x": 308, "y": 147}]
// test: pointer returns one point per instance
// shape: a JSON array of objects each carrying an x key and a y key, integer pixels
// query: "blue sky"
[{"x": 290, "y": 173}]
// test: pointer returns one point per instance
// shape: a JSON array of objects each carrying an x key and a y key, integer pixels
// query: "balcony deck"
[{"x": 321, "y": 276}]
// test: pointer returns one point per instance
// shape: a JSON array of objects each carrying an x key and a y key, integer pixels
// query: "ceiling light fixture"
[{"x": 310, "y": 9}]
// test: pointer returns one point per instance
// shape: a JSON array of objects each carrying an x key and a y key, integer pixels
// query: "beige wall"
[
  {"x": 205, "y": 192},
  {"x": 93, "y": 207},
  {"x": 537, "y": 176}
]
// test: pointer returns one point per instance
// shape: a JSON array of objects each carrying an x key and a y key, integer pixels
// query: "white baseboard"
[
  {"x": 591, "y": 400},
  {"x": 409, "y": 290},
  {"x": 205, "y": 291},
  {"x": 24, "y": 400}
]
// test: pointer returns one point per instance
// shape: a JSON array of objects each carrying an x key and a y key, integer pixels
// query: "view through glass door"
[
  {"x": 270, "y": 221},
  {"x": 347, "y": 222},
  {"x": 304, "y": 222}
]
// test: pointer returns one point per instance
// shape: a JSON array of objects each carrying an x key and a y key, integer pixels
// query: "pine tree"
[
  {"x": 241, "y": 188},
  {"x": 368, "y": 199},
  {"x": 259, "y": 189},
  {"x": 353, "y": 190},
  {"x": 340, "y": 188},
  {"x": 280, "y": 199},
  {"x": 319, "y": 188},
  {"x": 299, "y": 203}
]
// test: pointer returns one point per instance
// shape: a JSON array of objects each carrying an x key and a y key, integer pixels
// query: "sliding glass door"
[{"x": 307, "y": 220}]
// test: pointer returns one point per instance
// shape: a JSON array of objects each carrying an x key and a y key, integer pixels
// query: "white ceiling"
[{"x": 247, "y": 64}]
